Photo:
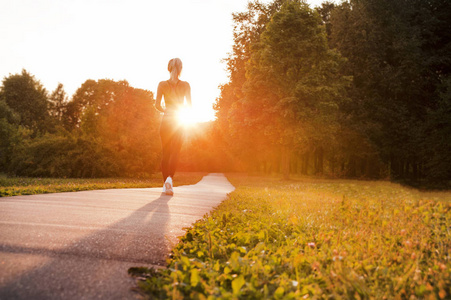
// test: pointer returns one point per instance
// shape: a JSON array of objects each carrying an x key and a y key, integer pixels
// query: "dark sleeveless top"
[{"x": 172, "y": 99}]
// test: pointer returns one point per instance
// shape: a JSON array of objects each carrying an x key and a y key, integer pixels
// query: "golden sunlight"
[{"x": 186, "y": 117}]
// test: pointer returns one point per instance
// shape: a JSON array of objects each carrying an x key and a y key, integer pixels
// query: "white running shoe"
[{"x": 168, "y": 187}]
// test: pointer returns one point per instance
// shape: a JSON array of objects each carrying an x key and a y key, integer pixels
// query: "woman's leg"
[
  {"x": 176, "y": 146},
  {"x": 165, "y": 135}
]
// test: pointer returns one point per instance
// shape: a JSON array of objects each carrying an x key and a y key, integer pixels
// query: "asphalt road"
[{"x": 80, "y": 245}]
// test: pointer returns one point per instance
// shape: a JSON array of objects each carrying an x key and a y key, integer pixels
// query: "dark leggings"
[{"x": 171, "y": 140}]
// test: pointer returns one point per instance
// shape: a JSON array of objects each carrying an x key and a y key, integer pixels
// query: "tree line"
[
  {"x": 357, "y": 89},
  {"x": 107, "y": 128}
]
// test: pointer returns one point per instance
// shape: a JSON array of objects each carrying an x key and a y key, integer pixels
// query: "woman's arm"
[
  {"x": 188, "y": 95},
  {"x": 159, "y": 96}
]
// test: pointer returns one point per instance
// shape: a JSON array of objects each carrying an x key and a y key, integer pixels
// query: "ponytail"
[{"x": 175, "y": 68}]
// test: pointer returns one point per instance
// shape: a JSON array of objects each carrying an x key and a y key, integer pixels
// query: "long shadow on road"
[
  {"x": 93, "y": 266},
  {"x": 80, "y": 245}
]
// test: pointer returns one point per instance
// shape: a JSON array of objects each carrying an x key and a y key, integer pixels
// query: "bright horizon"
[{"x": 70, "y": 42}]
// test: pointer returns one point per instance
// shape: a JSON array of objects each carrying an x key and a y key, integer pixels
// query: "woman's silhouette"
[{"x": 174, "y": 92}]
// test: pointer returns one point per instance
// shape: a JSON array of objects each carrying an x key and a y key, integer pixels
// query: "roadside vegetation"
[
  {"x": 13, "y": 186},
  {"x": 312, "y": 239}
]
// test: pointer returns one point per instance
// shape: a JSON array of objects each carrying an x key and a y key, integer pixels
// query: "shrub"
[{"x": 63, "y": 156}]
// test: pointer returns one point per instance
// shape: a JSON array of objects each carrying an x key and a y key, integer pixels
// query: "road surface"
[{"x": 80, "y": 245}]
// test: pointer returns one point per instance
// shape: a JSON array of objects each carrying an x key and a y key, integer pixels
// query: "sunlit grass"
[
  {"x": 306, "y": 239},
  {"x": 28, "y": 186}
]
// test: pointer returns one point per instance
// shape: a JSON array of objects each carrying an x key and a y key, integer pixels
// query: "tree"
[
  {"x": 58, "y": 100},
  {"x": 92, "y": 98},
  {"x": 436, "y": 145},
  {"x": 122, "y": 119},
  {"x": 242, "y": 144},
  {"x": 115, "y": 133},
  {"x": 325, "y": 11},
  {"x": 9, "y": 133},
  {"x": 129, "y": 127},
  {"x": 294, "y": 83},
  {"x": 398, "y": 53},
  {"x": 431, "y": 18},
  {"x": 28, "y": 98}
]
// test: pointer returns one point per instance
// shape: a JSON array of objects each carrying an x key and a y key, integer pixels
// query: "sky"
[{"x": 71, "y": 41}]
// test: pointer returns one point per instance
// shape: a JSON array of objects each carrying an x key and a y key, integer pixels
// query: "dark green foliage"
[
  {"x": 93, "y": 97},
  {"x": 437, "y": 141},
  {"x": 28, "y": 98},
  {"x": 9, "y": 133},
  {"x": 231, "y": 118},
  {"x": 63, "y": 155},
  {"x": 398, "y": 54},
  {"x": 111, "y": 129},
  {"x": 8, "y": 137},
  {"x": 295, "y": 81},
  {"x": 8, "y": 114},
  {"x": 288, "y": 104},
  {"x": 58, "y": 101},
  {"x": 281, "y": 104}
]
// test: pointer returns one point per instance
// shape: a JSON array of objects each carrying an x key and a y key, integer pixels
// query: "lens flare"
[{"x": 186, "y": 116}]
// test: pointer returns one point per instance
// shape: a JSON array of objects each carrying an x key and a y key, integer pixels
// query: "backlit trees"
[
  {"x": 28, "y": 98},
  {"x": 287, "y": 102}
]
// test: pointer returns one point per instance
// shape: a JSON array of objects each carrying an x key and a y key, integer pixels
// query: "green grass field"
[
  {"x": 312, "y": 239},
  {"x": 28, "y": 186}
]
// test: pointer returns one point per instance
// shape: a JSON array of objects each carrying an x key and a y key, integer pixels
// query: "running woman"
[{"x": 175, "y": 92}]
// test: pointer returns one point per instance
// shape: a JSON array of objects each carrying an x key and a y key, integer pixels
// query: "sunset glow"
[
  {"x": 70, "y": 42},
  {"x": 187, "y": 117}
]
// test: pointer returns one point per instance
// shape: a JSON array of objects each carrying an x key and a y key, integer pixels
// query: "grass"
[
  {"x": 312, "y": 239},
  {"x": 28, "y": 186}
]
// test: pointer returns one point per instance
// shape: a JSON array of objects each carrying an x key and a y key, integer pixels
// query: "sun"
[
  {"x": 190, "y": 116},
  {"x": 187, "y": 117}
]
